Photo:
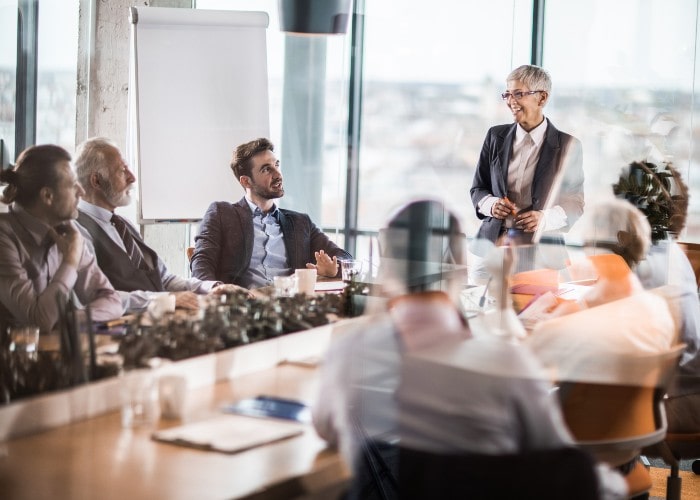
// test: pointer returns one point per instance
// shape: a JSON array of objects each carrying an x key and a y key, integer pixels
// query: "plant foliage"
[{"x": 657, "y": 191}]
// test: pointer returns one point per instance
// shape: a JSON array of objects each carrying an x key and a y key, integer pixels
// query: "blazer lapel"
[
  {"x": 504, "y": 149},
  {"x": 288, "y": 233},
  {"x": 245, "y": 218},
  {"x": 546, "y": 169}
]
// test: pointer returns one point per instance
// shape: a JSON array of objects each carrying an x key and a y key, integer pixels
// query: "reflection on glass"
[
  {"x": 630, "y": 100},
  {"x": 428, "y": 100}
]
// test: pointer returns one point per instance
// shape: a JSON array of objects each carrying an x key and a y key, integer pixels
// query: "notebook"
[{"x": 230, "y": 433}]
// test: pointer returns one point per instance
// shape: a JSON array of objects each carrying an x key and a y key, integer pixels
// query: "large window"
[
  {"x": 624, "y": 83},
  {"x": 432, "y": 78},
  {"x": 624, "y": 77},
  {"x": 56, "y": 72},
  {"x": 54, "y": 26},
  {"x": 8, "y": 73}
]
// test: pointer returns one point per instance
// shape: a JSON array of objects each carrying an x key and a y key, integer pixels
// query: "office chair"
[
  {"x": 546, "y": 475},
  {"x": 614, "y": 422},
  {"x": 674, "y": 448}
]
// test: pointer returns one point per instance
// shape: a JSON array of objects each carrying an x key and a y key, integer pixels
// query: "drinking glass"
[
  {"x": 24, "y": 341},
  {"x": 351, "y": 269},
  {"x": 285, "y": 286}
]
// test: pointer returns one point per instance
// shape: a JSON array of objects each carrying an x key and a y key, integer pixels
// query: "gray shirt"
[
  {"x": 138, "y": 300},
  {"x": 33, "y": 273}
]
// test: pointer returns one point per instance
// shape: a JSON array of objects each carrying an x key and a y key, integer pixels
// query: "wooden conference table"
[{"x": 97, "y": 458}]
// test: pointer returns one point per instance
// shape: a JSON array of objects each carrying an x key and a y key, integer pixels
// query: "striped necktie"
[{"x": 130, "y": 245}]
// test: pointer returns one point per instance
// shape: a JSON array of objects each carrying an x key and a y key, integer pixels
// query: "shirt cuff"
[
  {"x": 554, "y": 218},
  {"x": 208, "y": 286},
  {"x": 486, "y": 204}
]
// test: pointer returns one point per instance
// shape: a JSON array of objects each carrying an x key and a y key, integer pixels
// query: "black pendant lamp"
[{"x": 315, "y": 17}]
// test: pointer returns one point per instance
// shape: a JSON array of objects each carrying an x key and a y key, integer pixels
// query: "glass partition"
[
  {"x": 624, "y": 84},
  {"x": 433, "y": 75}
]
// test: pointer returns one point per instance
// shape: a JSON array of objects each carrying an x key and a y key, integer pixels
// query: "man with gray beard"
[{"x": 133, "y": 268}]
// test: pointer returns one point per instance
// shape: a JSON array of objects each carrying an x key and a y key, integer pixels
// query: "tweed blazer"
[
  {"x": 224, "y": 244},
  {"x": 558, "y": 178}
]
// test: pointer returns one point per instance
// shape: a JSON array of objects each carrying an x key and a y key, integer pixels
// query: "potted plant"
[{"x": 659, "y": 192}]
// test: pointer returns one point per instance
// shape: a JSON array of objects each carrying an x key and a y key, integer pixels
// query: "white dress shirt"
[
  {"x": 521, "y": 172},
  {"x": 138, "y": 300}
]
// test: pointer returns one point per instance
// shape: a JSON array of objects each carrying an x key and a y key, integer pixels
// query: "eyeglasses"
[{"x": 518, "y": 94}]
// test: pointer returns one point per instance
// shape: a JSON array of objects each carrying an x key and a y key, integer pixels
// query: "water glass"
[
  {"x": 24, "y": 341},
  {"x": 350, "y": 270},
  {"x": 285, "y": 286},
  {"x": 139, "y": 398},
  {"x": 172, "y": 392}
]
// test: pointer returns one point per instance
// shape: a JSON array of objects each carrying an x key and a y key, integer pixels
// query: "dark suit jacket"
[
  {"x": 560, "y": 155},
  {"x": 224, "y": 245},
  {"x": 115, "y": 262}
]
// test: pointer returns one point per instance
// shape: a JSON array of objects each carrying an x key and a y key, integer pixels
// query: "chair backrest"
[
  {"x": 614, "y": 421},
  {"x": 599, "y": 412},
  {"x": 548, "y": 474}
]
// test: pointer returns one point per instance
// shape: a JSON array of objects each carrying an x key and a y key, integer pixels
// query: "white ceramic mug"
[{"x": 306, "y": 280}]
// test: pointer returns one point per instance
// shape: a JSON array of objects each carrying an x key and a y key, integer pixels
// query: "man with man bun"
[{"x": 44, "y": 260}]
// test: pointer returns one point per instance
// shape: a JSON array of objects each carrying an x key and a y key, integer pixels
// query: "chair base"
[{"x": 673, "y": 487}]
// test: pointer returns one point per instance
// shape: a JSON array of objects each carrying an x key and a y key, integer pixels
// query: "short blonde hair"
[{"x": 534, "y": 77}]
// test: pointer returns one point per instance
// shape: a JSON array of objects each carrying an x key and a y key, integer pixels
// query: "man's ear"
[
  {"x": 95, "y": 180},
  {"x": 544, "y": 97},
  {"x": 624, "y": 239},
  {"x": 46, "y": 196},
  {"x": 245, "y": 181}
]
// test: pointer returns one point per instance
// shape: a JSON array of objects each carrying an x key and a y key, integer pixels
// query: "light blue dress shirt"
[{"x": 269, "y": 258}]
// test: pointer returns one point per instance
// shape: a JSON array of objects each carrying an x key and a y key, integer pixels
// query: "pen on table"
[{"x": 482, "y": 299}]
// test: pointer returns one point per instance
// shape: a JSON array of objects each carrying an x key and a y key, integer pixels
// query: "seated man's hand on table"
[
  {"x": 186, "y": 300},
  {"x": 230, "y": 288},
  {"x": 325, "y": 265}
]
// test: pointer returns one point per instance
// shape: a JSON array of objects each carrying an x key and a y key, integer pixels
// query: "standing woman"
[{"x": 529, "y": 176}]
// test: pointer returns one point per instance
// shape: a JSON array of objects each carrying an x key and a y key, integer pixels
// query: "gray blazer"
[
  {"x": 224, "y": 245},
  {"x": 561, "y": 154}
]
